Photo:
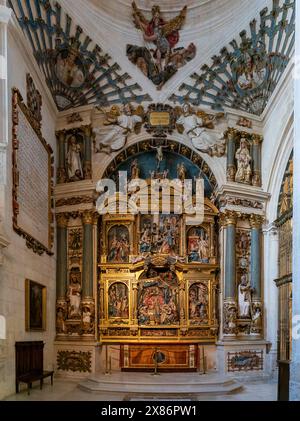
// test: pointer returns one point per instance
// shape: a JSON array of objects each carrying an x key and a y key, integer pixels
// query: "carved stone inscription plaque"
[
  {"x": 32, "y": 180},
  {"x": 33, "y": 194}
]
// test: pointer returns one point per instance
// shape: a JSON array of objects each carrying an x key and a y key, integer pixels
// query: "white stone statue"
[
  {"x": 243, "y": 157},
  {"x": 74, "y": 296},
  {"x": 120, "y": 127},
  {"x": 195, "y": 128},
  {"x": 244, "y": 297},
  {"x": 74, "y": 162}
]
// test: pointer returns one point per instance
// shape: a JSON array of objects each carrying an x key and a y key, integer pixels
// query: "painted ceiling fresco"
[
  {"x": 76, "y": 70},
  {"x": 244, "y": 75}
]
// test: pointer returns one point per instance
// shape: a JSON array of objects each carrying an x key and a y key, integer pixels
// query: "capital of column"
[
  {"x": 257, "y": 139},
  {"x": 62, "y": 220},
  {"x": 88, "y": 217},
  {"x": 229, "y": 218},
  {"x": 60, "y": 134},
  {"x": 5, "y": 14},
  {"x": 231, "y": 134},
  {"x": 256, "y": 221},
  {"x": 87, "y": 130}
]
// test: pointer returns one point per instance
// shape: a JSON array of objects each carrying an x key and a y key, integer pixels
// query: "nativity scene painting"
[
  {"x": 159, "y": 58},
  {"x": 158, "y": 302}
]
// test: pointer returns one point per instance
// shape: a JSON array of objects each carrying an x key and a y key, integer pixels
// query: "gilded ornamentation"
[
  {"x": 256, "y": 221},
  {"x": 75, "y": 361},
  {"x": 62, "y": 220},
  {"x": 245, "y": 203},
  {"x": 160, "y": 64}
]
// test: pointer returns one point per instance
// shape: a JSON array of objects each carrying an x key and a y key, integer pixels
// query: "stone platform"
[{"x": 165, "y": 385}]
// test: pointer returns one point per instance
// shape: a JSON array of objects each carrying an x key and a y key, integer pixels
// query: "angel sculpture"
[
  {"x": 196, "y": 126},
  {"x": 121, "y": 125},
  {"x": 161, "y": 63}
]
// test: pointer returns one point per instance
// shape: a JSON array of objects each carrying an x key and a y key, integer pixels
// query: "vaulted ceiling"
[{"x": 243, "y": 49}]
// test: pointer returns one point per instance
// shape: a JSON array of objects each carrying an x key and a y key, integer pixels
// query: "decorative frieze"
[{"x": 75, "y": 361}]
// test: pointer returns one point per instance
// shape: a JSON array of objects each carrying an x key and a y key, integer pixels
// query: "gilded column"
[
  {"x": 61, "y": 171},
  {"x": 231, "y": 147},
  {"x": 87, "y": 165},
  {"x": 230, "y": 304},
  {"x": 255, "y": 268},
  {"x": 256, "y": 157},
  {"x": 87, "y": 304}
]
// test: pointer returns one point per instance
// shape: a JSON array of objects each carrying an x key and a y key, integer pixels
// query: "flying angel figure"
[{"x": 165, "y": 35}]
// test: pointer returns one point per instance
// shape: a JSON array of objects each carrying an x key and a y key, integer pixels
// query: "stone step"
[{"x": 141, "y": 384}]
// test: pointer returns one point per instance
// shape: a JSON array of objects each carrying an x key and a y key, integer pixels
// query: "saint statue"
[
  {"x": 135, "y": 170},
  {"x": 74, "y": 295},
  {"x": 181, "y": 172},
  {"x": 74, "y": 160},
  {"x": 244, "y": 297},
  {"x": 244, "y": 159}
]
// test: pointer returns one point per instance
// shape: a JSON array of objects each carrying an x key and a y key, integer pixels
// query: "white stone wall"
[
  {"x": 276, "y": 150},
  {"x": 19, "y": 262}
]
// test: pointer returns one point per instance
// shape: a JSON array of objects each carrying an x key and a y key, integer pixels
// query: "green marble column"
[
  {"x": 256, "y": 255},
  {"x": 230, "y": 256},
  {"x": 231, "y": 148},
  {"x": 87, "y": 165},
  {"x": 88, "y": 256},
  {"x": 256, "y": 156},
  {"x": 62, "y": 260},
  {"x": 61, "y": 171}
]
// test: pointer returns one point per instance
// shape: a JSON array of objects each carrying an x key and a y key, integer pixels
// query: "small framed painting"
[{"x": 35, "y": 306}]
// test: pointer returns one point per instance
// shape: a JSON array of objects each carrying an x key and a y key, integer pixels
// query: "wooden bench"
[{"x": 30, "y": 363}]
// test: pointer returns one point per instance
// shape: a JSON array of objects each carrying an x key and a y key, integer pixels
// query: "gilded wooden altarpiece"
[{"x": 149, "y": 289}]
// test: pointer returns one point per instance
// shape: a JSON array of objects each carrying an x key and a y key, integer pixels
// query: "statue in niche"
[
  {"x": 244, "y": 298},
  {"x": 74, "y": 160},
  {"x": 198, "y": 303},
  {"x": 74, "y": 295},
  {"x": 60, "y": 320},
  {"x": 243, "y": 157},
  {"x": 134, "y": 170},
  {"x": 181, "y": 172},
  {"x": 121, "y": 125},
  {"x": 256, "y": 319},
  {"x": 195, "y": 127}
]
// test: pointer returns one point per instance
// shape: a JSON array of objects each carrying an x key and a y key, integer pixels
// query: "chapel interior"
[{"x": 106, "y": 109}]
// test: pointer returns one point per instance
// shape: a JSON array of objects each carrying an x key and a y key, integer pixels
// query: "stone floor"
[{"x": 67, "y": 390}]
